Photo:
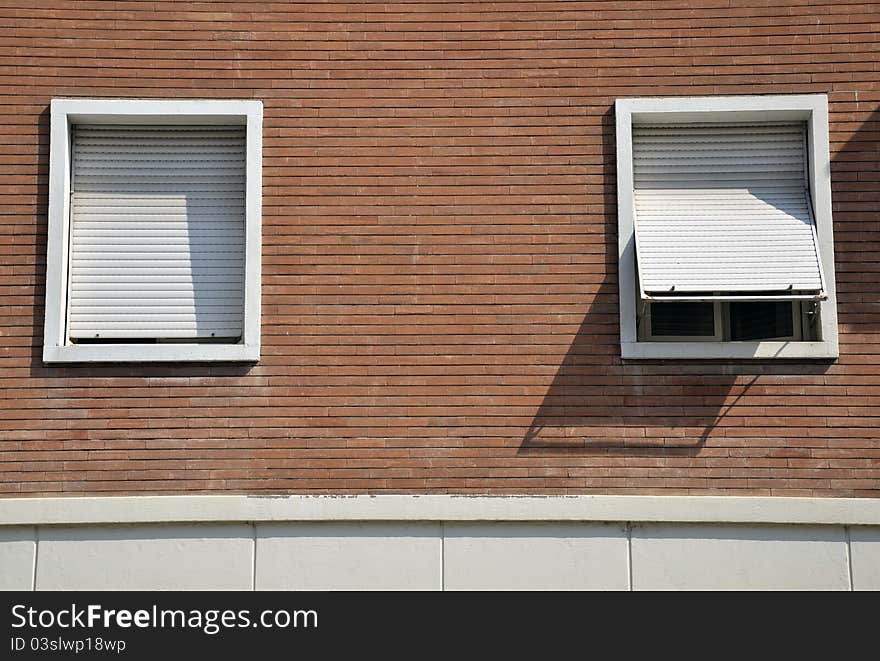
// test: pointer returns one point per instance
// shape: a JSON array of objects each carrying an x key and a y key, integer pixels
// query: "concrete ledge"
[{"x": 214, "y": 509}]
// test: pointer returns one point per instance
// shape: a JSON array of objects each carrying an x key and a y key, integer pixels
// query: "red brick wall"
[{"x": 439, "y": 288}]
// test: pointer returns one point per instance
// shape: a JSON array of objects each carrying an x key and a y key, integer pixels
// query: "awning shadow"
[{"x": 598, "y": 402}]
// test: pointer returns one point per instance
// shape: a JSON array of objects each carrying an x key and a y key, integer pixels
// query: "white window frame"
[
  {"x": 57, "y": 347},
  {"x": 810, "y": 108}
]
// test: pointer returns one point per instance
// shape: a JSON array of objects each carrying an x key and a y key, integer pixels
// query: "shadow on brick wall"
[{"x": 598, "y": 403}]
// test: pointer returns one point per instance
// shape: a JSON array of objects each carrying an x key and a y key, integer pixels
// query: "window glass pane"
[
  {"x": 759, "y": 321},
  {"x": 682, "y": 319}
]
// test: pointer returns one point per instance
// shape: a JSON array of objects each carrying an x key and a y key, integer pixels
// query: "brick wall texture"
[{"x": 439, "y": 256}]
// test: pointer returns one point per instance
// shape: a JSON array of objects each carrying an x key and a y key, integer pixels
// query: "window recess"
[{"x": 157, "y": 240}]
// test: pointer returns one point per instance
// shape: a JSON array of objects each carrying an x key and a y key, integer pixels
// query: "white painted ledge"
[{"x": 213, "y": 509}]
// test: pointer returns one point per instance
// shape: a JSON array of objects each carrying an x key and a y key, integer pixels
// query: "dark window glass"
[
  {"x": 682, "y": 319},
  {"x": 760, "y": 321}
]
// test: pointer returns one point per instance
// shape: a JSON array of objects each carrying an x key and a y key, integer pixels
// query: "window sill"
[
  {"x": 728, "y": 350},
  {"x": 151, "y": 353}
]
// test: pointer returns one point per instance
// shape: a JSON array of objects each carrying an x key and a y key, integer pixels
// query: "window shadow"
[
  {"x": 855, "y": 205},
  {"x": 598, "y": 403}
]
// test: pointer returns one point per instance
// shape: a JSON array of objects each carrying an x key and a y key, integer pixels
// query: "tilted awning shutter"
[
  {"x": 157, "y": 232},
  {"x": 723, "y": 210}
]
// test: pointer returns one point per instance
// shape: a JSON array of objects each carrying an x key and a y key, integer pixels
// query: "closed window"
[
  {"x": 725, "y": 228},
  {"x": 154, "y": 231}
]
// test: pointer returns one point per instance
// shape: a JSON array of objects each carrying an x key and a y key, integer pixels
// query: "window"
[
  {"x": 725, "y": 235},
  {"x": 721, "y": 321},
  {"x": 680, "y": 321},
  {"x": 154, "y": 231}
]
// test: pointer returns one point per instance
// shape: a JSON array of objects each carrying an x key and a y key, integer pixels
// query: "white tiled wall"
[
  {"x": 18, "y": 549},
  {"x": 865, "y": 553},
  {"x": 145, "y": 557},
  {"x": 524, "y": 556},
  {"x": 700, "y": 557},
  {"x": 433, "y": 556},
  {"x": 349, "y": 556}
]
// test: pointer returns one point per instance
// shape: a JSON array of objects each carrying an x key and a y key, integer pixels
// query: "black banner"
[{"x": 245, "y": 625}]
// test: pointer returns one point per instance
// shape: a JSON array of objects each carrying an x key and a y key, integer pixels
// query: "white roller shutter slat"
[
  {"x": 157, "y": 232},
  {"x": 723, "y": 208}
]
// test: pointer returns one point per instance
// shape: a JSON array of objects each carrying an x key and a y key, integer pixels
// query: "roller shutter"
[
  {"x": 157, "y": 232},
  {"x": 724, "y": 209}
]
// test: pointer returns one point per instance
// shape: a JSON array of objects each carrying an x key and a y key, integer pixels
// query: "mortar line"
[
  {"x": 629, "y": 554},
  {"x": 443, "y": 556},
  {"x": 36, "y": 558},
  {"x": 849, "y": 568},
  {"x": 254, "y": 559}
]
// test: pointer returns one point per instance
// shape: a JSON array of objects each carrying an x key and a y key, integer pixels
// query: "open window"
[
  {"x": 154, "y": 231},
  {"x": 725, "y": 228}
]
